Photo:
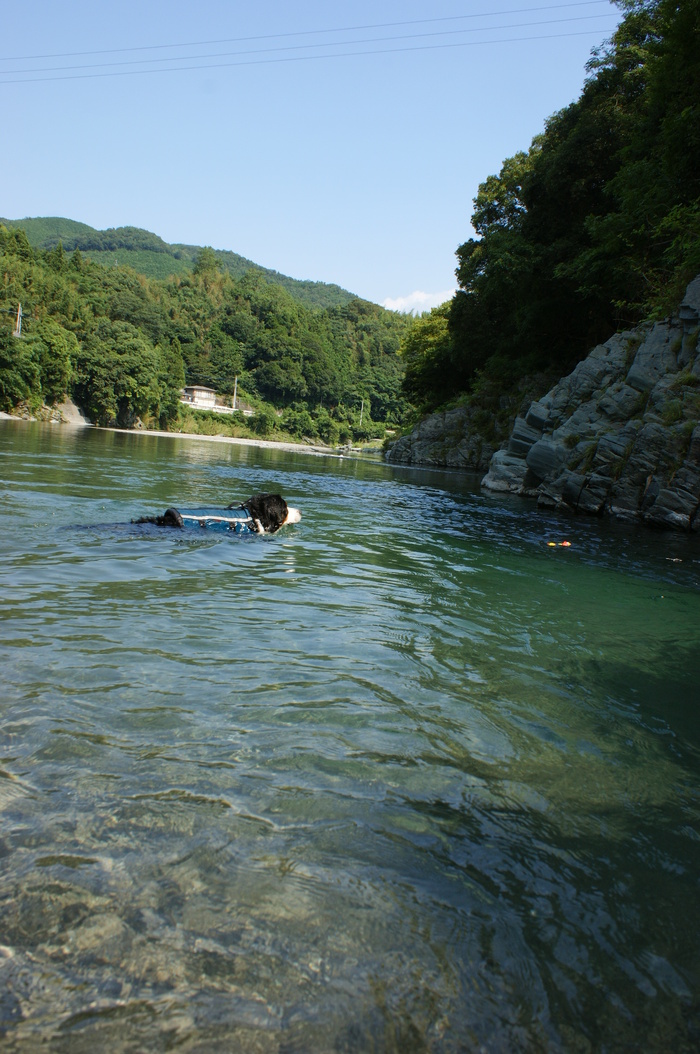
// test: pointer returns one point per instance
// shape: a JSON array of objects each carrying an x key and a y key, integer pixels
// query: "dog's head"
[{"x": 271, "y": 510}]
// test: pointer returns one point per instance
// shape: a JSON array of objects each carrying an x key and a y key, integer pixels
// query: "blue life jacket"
[{"x": 237, "y": 520}]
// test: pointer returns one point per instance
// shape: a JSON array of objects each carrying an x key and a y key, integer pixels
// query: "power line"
[
  {"x": 307, "y": 32},
  {"x": 299, "y": 47},
  {"x": 299, "y": 58}
]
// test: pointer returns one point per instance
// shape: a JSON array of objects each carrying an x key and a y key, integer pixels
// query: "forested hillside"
[
  {"x": 594, "y": 228},
  {"x": 123, "y": 345},
  {"x": 151, "y": 256}
]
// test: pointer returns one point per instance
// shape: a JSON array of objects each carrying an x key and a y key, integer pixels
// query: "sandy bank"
[{"x": 298, "y": 448}]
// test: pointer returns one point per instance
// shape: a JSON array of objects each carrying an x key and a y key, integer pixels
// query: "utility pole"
[
  {"x": 235, "y": 389},
  {"x": 17, "y": 332},
  {"x": 362, "y": 408}
]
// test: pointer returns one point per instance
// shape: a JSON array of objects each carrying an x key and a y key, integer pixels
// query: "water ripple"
[{"x": 403, "y": 778}]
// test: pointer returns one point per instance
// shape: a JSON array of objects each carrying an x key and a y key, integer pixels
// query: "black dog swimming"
[
  {"x": 269, "y": 512},
  {"x": 261, "y": 514}
]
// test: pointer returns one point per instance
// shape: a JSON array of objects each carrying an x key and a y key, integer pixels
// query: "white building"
[{"x": 199, "y": 397}]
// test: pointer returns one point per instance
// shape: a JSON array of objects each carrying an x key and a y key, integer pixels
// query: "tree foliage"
[
  {"x": 425, "y": 350},
  {"x": 596, "y": 226},
  {"x": 19, "y": 373}
]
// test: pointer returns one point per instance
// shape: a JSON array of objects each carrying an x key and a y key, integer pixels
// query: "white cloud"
[{"x": 416, "y": 302}]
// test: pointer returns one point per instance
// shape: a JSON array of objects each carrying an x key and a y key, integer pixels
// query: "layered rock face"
[
  {"x": 621, "y": 433},
  {"x": 448, "y": 439}
]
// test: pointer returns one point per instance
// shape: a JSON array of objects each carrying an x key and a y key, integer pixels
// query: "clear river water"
[{"x": 402, "y": 778}]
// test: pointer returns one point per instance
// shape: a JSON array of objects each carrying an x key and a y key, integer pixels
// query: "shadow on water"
[{"x": 403, "y": 778}]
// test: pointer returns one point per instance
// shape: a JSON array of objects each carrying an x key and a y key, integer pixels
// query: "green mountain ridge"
[
  {"x": 153, "y": 257},
  {"x": 123, "y": 345}
]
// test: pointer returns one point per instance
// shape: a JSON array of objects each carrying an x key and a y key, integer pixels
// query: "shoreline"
[
  {"x": 301, "y": 448},
  {"x": 270, "y": 444}
]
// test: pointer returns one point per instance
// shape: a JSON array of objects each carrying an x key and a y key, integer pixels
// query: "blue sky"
[{"x": 342, "y": 143}]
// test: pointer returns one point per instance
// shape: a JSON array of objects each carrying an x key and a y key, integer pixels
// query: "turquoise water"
[{"x": 400, "y": 778}]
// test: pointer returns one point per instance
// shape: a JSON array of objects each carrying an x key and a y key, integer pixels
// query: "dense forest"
[
  {"x": 123, "y": 346},
  {"x": 596, "y": 227},
  {"x": 151, "y": 256}
]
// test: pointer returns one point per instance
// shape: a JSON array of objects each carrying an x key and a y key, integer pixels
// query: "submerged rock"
[{"x": 621, "y": 433}]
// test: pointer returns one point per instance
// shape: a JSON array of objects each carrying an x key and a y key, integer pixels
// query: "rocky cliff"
[
  {"x": 621, "y": 433},
  {"x": 618, "y": 435},
  {"x": 450, "y": 439}
]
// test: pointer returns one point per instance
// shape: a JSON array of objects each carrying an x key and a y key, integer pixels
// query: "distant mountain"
[{"x": 151, "y": 256}]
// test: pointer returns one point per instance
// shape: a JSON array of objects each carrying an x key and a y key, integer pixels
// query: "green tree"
[
  {"x": 117, "y": 375},
  {"x": 225, "y": 360},
  {"x": 596, "y": 226},
  {"x": 263, "y": 423},
  {"x": 20, "y": 379},
  {"x": 171, "y": 381},
  {"x": 57, "y": 258},
  {"x": 57, "y": 350},
  {"x": 426, "y": 350},
  {"x": 298, "y": 422},
  {"x": 651, "y": 226},
  {"x": 206, "y": 267}
]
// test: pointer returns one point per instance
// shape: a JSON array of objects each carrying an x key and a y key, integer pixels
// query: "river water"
[{"x": 401, "y": 778}]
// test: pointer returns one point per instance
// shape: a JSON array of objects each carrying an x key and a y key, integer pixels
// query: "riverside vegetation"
[
  {"x": 595, "y": 229},
  {"x": 313, "y": 361}
]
